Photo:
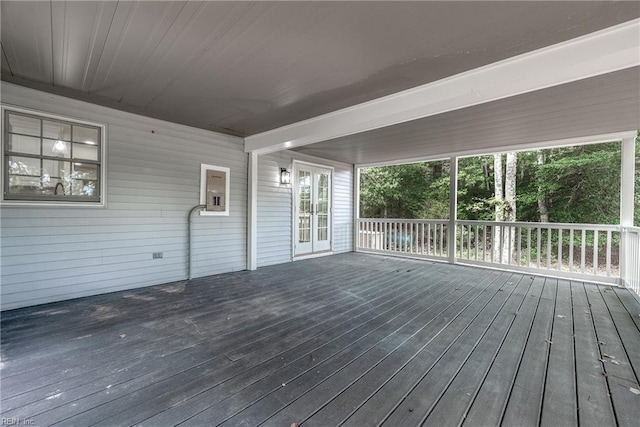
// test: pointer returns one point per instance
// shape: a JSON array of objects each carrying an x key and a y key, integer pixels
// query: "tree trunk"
[
  {"x": 542, "y": 202},
  {"x": 499, "y": 199},
  {"x": 510, "y": 206}
]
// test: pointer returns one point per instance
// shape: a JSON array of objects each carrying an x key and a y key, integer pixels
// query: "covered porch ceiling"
[
  {"x": 260, "y": 69},
  {"x": 255, "y": 68}
]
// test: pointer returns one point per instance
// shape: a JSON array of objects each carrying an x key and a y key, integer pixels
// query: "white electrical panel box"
[{"x": 214, "y": 189}]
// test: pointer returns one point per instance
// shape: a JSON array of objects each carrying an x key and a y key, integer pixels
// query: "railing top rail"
[
  {"x": 552, "y": 225},
  {"x": 631, "y": 229},
  {"x": 431, "y": 221}
]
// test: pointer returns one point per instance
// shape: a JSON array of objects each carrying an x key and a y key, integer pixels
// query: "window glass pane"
[
  {"x": 81, "y": 187},
  {"x": 50, "y": 159},
  {"x": 56, "y": 130},
  {"x": 85, "y": 134},
  {"x": 55, "y": 187},
  {"x": 84, "y": 171},
  {"x": 55, "y": 169},
  {"x": 24, "y": 166},
  {"x": 24, "y": 144},
  {"x": 24, "y": 125},
  {"x": 24, "y": 185},
  {"x": 55, "y": 148},
  {"x": 85, "y": 151}
]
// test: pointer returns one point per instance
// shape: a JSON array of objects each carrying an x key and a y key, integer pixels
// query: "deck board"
[
  {"x": 618, "y": 370},
  {"x": 525, "y": 402},
  {"x": 559, "y": 402},
  {"x": 488, "y": 406},
  {"x": 350, "y": 339},
  {"x": 594, "y": 404}
]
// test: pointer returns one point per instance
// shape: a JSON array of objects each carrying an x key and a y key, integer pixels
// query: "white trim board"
[
  {"x": 612, "y": 49},
  {"x": 580, "y": 140}
]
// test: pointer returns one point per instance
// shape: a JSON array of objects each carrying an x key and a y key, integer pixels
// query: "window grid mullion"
[{"x": 24, "y": 188}]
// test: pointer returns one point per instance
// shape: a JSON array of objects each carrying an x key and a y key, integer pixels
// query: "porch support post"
[
  {"x": 356, "y": 206},
  {"x": 627, "y": 182},
  {"x": 453, "y": 208},
  {"x": 252, "y": 212}
]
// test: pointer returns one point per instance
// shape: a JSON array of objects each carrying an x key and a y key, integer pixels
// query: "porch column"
[
  {"x": 453, "y": 208},
  {"x": 627, "y": 182},
  {"x": 356, "y": 207},
  {"x": 252, "y": 212}
]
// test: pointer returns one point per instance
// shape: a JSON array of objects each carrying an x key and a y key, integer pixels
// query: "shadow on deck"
[{"x": 349, "y": 339}]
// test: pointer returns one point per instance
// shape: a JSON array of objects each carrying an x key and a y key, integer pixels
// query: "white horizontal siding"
[
  {"x": 274, "y": 207},
  {"x": 54, "y": 253}
]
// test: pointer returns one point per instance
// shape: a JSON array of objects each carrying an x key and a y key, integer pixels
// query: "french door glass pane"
[
  {"x": 304, "y": 216},
  {"x": 323, "y": 207}
]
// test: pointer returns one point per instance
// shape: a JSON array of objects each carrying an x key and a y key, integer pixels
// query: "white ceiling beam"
[
  {"x": 612, "y": 49},
  {"x": 538, "y": 145}
]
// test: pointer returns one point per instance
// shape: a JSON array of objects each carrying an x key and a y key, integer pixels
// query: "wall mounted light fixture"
[{"x": 285, "y": 176}]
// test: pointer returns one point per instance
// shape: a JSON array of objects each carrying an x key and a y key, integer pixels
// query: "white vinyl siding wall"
[
  {"x": 49, "y": 254},
  {"x": 274, "y": 207}
]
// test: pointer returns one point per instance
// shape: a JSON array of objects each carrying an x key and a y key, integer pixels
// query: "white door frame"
[{"x": 294, "y": 201}]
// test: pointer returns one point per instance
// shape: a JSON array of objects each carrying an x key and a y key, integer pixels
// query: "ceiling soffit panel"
[
  {"x": 247, "y": 67},
  {"x": 26, "y": 40},
  {"x": 598, "y": 105}
]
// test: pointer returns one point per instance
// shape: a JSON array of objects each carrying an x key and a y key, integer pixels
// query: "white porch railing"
[
  {"x": 571, "y": 250},
  {"x": 582, "y": 251},
  {"x": 630, "y": 271},
  {"x": 415, "y": 237}
]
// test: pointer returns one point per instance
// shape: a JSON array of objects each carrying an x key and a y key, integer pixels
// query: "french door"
[{"x": 312, "y": 209}]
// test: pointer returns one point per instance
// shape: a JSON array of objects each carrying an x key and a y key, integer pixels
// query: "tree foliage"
[{"x": 577, "y": 184}]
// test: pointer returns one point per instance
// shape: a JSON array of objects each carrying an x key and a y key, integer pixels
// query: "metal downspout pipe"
[{"x": 193, "y": 209}]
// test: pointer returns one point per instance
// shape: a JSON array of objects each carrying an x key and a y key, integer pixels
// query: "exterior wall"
[
  {"x": 274, "y": 207},
  {"x": 153, "y": 180}
]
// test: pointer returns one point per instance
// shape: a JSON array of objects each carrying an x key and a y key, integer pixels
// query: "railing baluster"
[
  {"x": 510, "y": 249},
  {"x": 410, "y": 239},
  {"x": 403, "y": 237},
  {"x": 495, "y": 235},
  {"x": 468, "y": 242},
  {"x": 608, "y": 253},
  {"x": 519, "y": 250},
  {"x": 595, "y": 252},
  {"x": 559, "y": 249},
  {"x": 528, "y": 246},
  {"x": 428, "y": 239},
  {"x": 539, "y": 247},
  {"x": 464, "y": 235},
  {"x": 571, "y": 250},
  {"x": 501, "y": 244},
  {"x": 476, "y": 242},
  {"x": 583, "y": 250},
  {"x": 484, "y": 243},
  {"x": 442, "y": 252},
  {"x": 548, "y": 248}
]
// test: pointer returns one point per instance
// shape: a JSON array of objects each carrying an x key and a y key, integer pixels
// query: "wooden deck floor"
[{"x": 352, "y": 340}]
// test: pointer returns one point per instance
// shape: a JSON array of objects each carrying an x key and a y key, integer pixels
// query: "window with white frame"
[{"x": 51, "y": 159}]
